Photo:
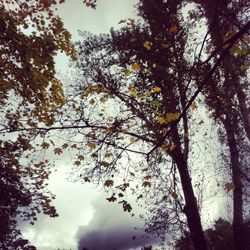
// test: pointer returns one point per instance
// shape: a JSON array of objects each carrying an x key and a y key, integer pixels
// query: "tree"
[
  {"x": 30, "y": 36},
  {"x": 144, "y": 92},
  {"x": 226, "y": 96},
  {"x": 220, "y": 236}
]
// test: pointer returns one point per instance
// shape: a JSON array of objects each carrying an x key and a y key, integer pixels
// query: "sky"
[
  {"x": 84, "y": 213},
  {"x": 86, "y": 219}
]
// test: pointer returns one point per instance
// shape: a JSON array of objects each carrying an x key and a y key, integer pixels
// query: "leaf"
[
  {"x": 45, "y": 145},
  {"x": 127, "y": 72},
  {"x": 108, "y": 154},
  {"x": 131, "y": 173},
  {"x": 91, "y": 145},
  {"x": 81, "y": 157},
  {"x": 174, "y": 195},
  {"x": 120, "y": 195},
  {"x": 126, "y": 206},
  {"x": 109, "y": 183},
  {"x": 103, "y": 100},
  {"x": 173, "y": 29},
  {"x": 57, "y": 151},
  {"x": 132, "y": 140},
  {"x": 208, "y": 48},
  {"x": 136, "y": 66},
  {"x": 112, "y": 198},
  {"x": 154, "y": 65},
  {"x": 65, "y": 145},
  {"x": 147, "y": 45},
  {"x": 161, "y": 120},
  {"x": 86, "y": 179},
  {"x": 156, "y": 89},
  {"x": 74, "y": 146},
  {"x": 77, "y": 163},
  {"x": 229, "y": 186},
  {"x": 172, "y": 147},
  {"x": 92, "y": 101},
  {"x": 200, "y": 122},
  {"x": 104, "y": 164},
  {"x": 146, "y": 184},
  {"x": 133, "y": 91},
  {"x": 155, "y": 103},
  {"x": 164, "y": 147},
  {"x": 172, "y": 117},
  {"x": 193, "y": 106}
]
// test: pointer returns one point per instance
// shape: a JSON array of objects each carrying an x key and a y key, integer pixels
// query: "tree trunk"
[
  {"x": 191, "y": 209},
  {"x": 238, "y": 227}
]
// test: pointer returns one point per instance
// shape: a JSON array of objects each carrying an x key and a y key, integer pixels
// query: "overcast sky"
[{"x": 85, "y": 217}]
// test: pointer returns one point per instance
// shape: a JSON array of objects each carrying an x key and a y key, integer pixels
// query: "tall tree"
[
  {"x": 227, "y": 98},
  {"x": 142, "y": 70}
]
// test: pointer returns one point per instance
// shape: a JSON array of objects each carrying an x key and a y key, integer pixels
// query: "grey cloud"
[{"x": 112, "y": 228}]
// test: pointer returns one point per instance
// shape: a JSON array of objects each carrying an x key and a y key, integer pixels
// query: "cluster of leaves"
[{"x": 30, "y": 36}]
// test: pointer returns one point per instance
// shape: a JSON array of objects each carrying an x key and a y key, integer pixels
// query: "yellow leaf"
[
  {"x": 132, "y": 140},
  {"x": 136, "y": 66},
  {"x": 103, "y": 100},
  {"x": 147, "y": 45},
  {"x": 161, "y": 120},
  {"x": 164, "y": 147},
  {"x": 156, "y": 89},
  {"x": 173, "y": 29},
  {"x": 127, "y": 72},
  {"x": 172, "y": 117},
  {"x": 154, "y": 65},
  {"x": 174, "y": 195},
  {"x": 194, "y": 106},
  {"x": 91, "y": 145},
  {"x": 133, "y": 92},
  {"x": 172, "y": 147}
]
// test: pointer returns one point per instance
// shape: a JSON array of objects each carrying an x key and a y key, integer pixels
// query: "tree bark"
[
  {"x": 191, "y": 208},
  {"x": 238, "y": 227}
]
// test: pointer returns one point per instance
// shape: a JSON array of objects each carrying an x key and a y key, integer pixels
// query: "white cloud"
[{"x": 73, "y": 203}]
